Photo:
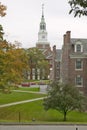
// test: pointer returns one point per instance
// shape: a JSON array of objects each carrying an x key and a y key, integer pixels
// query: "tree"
[
  {"x": 44, "y": 69},
  {"x": 2, "y": 10},
  {"x": 36, "y": 59},
  {"x": 15, "y": 66},
  {"x": 78, "y": 7},
  {"x": 13, "y": 62},
  {"x": 64, "y": 98}
]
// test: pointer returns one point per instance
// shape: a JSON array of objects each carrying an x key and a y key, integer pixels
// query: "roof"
[{"x": 74, "y": 40}]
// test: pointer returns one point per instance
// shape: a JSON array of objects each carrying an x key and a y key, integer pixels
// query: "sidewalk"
[
  {"x": 29, "y": 92},
  {"x": 21, "y": 102}
]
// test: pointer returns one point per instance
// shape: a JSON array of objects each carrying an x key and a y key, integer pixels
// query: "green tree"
[
  {"x": 44, "y": 69},
  {"x": 36, "y": 57},
  {"x": 64, "y": 98},
  {"x": 78, "y": 7}
]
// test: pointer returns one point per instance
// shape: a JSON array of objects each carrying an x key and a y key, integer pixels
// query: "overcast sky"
[{"x": 23, "y": 17}]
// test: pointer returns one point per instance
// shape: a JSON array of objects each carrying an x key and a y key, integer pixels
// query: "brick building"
[
  {"x": 69, "y": 64},
  {"x": 56, "y": 63},
  {"x": 74, "y": 62}
]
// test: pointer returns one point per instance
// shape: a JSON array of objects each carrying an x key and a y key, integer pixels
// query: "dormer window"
[{"x": 78, "y": 47}]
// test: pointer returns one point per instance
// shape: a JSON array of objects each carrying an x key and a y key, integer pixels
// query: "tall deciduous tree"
[
  {"x": 78, "y": 7},
  {"x": 16, "y": 65},
  {"x": 64, "y": 98},
  {"x": 13, "y": 62}
]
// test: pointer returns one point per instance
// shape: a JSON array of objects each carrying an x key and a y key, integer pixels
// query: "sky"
[{"x": 23, "y": 18}]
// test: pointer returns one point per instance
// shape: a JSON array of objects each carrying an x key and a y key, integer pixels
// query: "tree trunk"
[
  {"x": 36, "y": 75},
  {"x": 31, "y": 73}
]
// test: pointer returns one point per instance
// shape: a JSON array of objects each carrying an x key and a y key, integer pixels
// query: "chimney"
[
  {"x": 64, "y": 39},
  {"x": 54, "y": 48},
  {"x": 68, "y": 36},
  {"x": 54, "y": 51}
]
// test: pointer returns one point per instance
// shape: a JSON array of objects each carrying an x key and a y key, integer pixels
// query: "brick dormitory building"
[{"x": 71, "y": 63}]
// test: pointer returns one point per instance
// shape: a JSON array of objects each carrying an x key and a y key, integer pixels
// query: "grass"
[
  {"x": 17, "y": 96},
  {"x": 28, "y": 111},
  {"x": 29, "y": 89},
  {"x": 35, "y": 111}
]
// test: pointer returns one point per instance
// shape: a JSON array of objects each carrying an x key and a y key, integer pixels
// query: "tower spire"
[
  {"x": 42, "y": 10},
  {"x": 42, "y": 34}
]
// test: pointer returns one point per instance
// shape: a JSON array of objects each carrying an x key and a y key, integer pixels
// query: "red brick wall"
[
  {"x": 73, "y": 73},
  {"x": 68, "y": 69}
]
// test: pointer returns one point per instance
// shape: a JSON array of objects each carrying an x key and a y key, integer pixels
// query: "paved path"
[
  {"x": 25, "y": 101},
  {"x": 23, "y": 91},
  {"x": 42, "y": 127},
  {"x": 21, "y": 102}
]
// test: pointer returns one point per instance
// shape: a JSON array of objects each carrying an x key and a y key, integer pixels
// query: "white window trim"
[
  {"x": 78, "y": 43},
  {"x": 81, "y": 81},
  {"x": 81, "y": 65}
]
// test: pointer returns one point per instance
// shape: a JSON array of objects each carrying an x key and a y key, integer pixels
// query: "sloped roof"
[{"x": 74, "y": 40}]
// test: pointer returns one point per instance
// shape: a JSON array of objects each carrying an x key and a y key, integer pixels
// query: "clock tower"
[{"x": 42, "y": 42}]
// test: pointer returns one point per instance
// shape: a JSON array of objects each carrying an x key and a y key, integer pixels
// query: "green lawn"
[
  {"x": 34, "y": 110},
  {"x": 29, "y": 89},
  {"x": 17, "y": 96}
]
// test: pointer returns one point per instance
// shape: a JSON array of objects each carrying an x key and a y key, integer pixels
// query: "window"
[
  {"x": 78, "y": 49},
  {"x": 79, "y": 80},
  {"x": 41, "y": 27},
  {"x": 78, "y": 64}
]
